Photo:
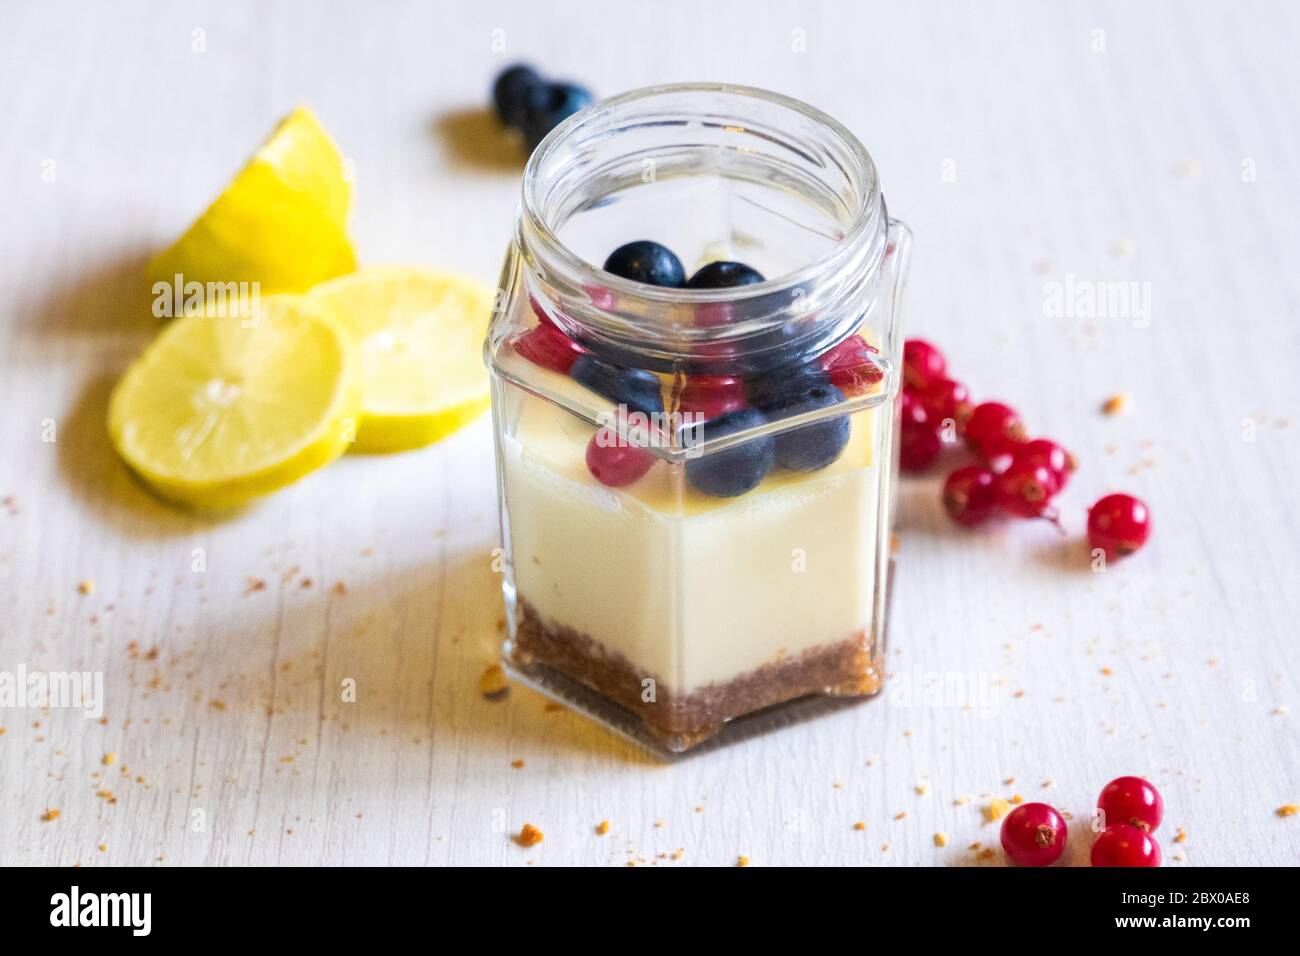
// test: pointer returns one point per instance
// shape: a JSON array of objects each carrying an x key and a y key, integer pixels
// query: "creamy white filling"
[{"x": 689, "y": 589}]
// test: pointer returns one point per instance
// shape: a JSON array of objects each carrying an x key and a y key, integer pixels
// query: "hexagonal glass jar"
[{"x": 697, "y": 485}]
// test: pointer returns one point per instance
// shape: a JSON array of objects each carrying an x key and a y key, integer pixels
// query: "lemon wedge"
[
  {"x": 220, "y": 410},
  {"x": 420, "y": 334},
  {"x": 282, "y": 221}
]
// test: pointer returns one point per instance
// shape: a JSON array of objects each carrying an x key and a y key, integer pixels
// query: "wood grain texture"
[{"x": 1019, "y": 153}]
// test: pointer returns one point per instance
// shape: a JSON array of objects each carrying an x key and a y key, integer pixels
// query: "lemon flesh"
[
  {"x": 220, "y": 410},
  {"x": 282, "y": 221},
  {"x": 420, "y": 335}
]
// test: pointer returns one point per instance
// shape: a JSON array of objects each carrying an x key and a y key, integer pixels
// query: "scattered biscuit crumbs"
[
  {"x": 305, "y": 583},
  {"x": 659, "y": 824},
  {"x": 108, "y": 759},
  {"x": 254, "y": 585},
  {"x": 50, "y": 815},
  {"x": 859, "y": 825},
  {"x": 996, "y": 809},
  {"x": 884, "y": 848},
  {"x": 1179, "y": 857},
  {"x": 1047, "y": 783},
  {"x": 106, "y": 795},
  {"x": 1107, "y": 672},
  {"x": 742, "y": 861},
  {"x": 699, "y": 809},
  {"x": 1180, "y": 836},
  {"x": 987, "y": 853},
  {"x": 86, "y": 587},
  {"x": 837, "y": 785},
  {"x": 217, "y": 704},
  {"x": 1115, "y": 405},
  {"x": 900, "y": 815},
  {"x": 340, "y": 588},
  {"x": 1281, "y": 710},
  {"x": 1288, "y": 810},
  {"x": 493, "y": 683},
  {"x": 287, "y": 758},
  {"x": 631, "y": 862},
  {"x": 1017, "y": 799},
  {"x": 602, "y": 828},
  {"x": 103, "y": 848},
  {"x": 679, "y": 853},
  {"x": 961, "y": 801},
  {"x": 1009, "y": 781},
  {"x": 941, "y": 839},
  {"x": 921, "y": 789},
  {"x": 529, "y": 835},
  {"x": 975, "y": 846},
  {"x": 517, "y": 764}
]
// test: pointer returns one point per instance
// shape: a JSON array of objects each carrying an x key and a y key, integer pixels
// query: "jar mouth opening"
[{"x": 636, "y": 107}]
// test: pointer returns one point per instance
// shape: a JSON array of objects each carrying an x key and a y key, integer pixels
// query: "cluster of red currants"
[
  {"x": 1129, "y": 810},
  {"x": 1012, "y": 473}
]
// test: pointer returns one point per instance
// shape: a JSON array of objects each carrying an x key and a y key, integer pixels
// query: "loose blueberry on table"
[{"x": 528, "y": 102}]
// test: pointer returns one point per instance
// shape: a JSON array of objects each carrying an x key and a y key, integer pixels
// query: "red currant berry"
[
  {"x": 1122, "y": 844},
  {"x": 913, "y": 409},
  {"x": 922, "y": 363},
  {"x": 850, "y": 366},
  {"x": 547, "y": 346},
  {"x": 613, "y": 462},
  {"x": 1118, "y": 525},
  {"x": 1033, "y": 834},
  {"x": 992, "y": 428},
  {"x": 1131, "y": 800},
  {"x": 970, "y": 495},
  {"x": 919, "y": 448},
  {"x": 712, "y": 395},
  {"x": 947, "y": 399},
  {"x": 1026, "y": 488},
  {"x": 1044, "y": 451}
]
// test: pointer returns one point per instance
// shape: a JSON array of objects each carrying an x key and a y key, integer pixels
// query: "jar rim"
[{"x": 869, "y": 216}]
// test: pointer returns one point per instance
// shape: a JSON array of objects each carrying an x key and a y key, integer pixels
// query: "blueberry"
[
  {"x": 817, "y": 445},
  {"x": 729, "y": 473},
  {"x": 724, "y": 275},
  {"x": 511, "y": 91},
  {"x": 648, "y": 262},
  {"x": 548, "y": 105},
  {"x": 636, "y": 388},
  {"x": 775, "y": 391}
]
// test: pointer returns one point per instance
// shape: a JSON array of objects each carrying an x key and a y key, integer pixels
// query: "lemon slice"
[
  {"x": 219, "y": 410},
  {"x": 420, "y": 335},
  {"x": 282, "y": 222}
]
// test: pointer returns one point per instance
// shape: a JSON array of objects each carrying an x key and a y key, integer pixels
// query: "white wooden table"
[{"x": 1026, "y": 146}]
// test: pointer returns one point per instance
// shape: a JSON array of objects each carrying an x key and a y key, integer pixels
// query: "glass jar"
[{"x": 697, "y": 485}]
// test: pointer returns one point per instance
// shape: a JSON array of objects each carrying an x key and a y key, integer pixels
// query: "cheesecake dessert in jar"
[{"x": 695, "y": 381}]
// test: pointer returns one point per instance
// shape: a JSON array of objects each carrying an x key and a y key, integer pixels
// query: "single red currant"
[
  {"x": 850, "y": 366},
  {"x": 547, "y": 346},
  {"x": 614, "y": 462},
  {"x": 922, "y": 363},
  {"x": 1034, "y": 834},
  {"x": 946, "y": 399},
  {"x": 913, "y": 409},
  {"x": 1026, "y": 489},
  {"x": 1131, "y": 800},
  {"x": 919, "y": 448},
  {"x": 1122, "y": 844},
  {"x": 993, "y": 428},
  {"x": 1118, "y": 525},
  {"x": 1044, "y": 451},
  {"x": 712, "y": 395},
  {"x": 970, "y": 495}
]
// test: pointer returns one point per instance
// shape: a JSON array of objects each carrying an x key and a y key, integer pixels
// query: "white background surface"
[{"x": 1123, "y": 164}]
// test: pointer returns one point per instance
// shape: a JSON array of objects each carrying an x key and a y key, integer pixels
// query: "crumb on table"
[{"x": 529, "y": 835}]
